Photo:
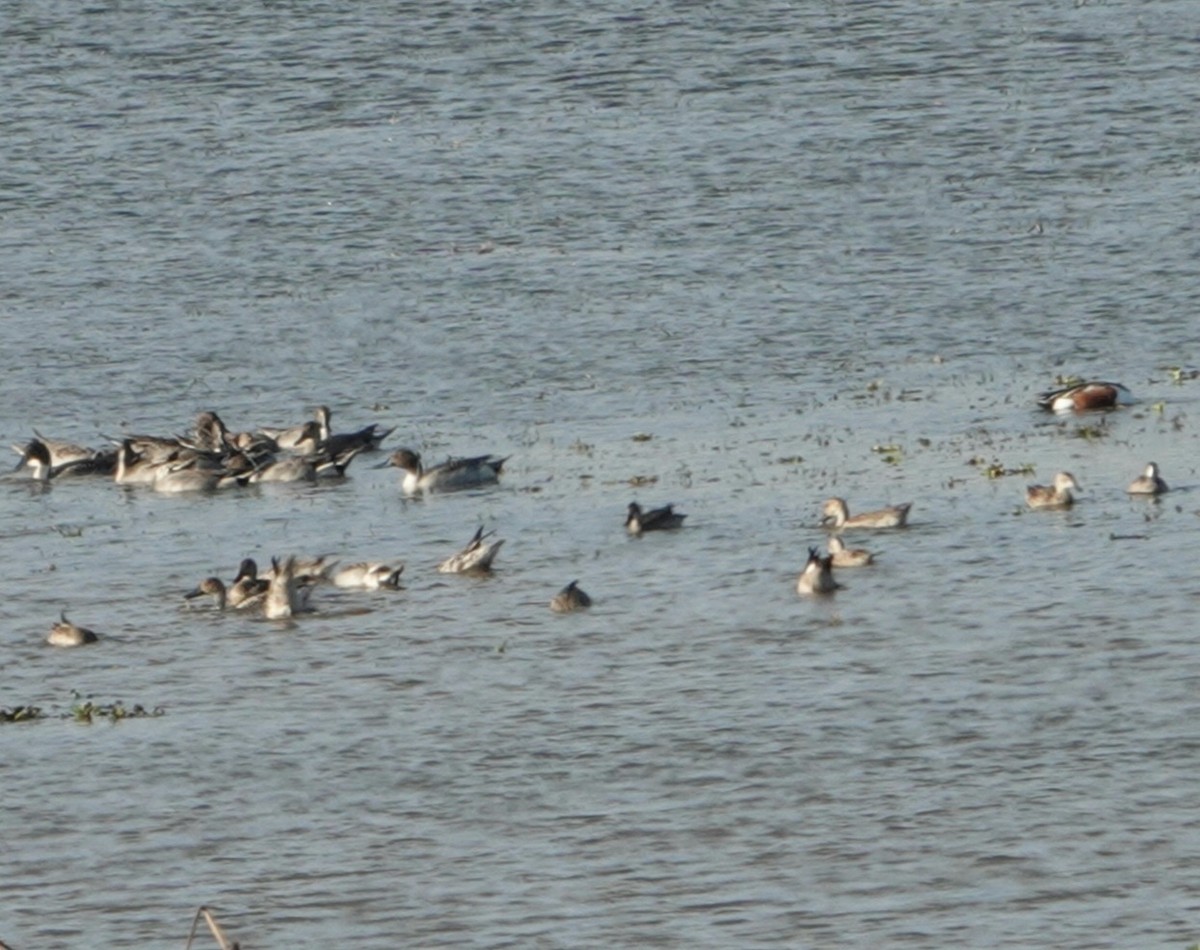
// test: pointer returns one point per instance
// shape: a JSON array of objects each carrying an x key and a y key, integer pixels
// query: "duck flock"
[{"x": 212, "y": 458}]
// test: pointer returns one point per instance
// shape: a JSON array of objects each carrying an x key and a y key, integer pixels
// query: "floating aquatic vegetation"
[
  {"x": 81, "y": 710},
  {"x": 114, "y": 712},
  {"x": 1091, "y": 432},
  {"x": 997, "y": 469},
  {"x": 892, "y": 454},
  {"x": 641, "y": 437},
  {"x": 639, "y": 481}
]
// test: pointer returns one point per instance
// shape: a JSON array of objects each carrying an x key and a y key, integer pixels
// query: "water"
[{"x": 807, "y": 250}]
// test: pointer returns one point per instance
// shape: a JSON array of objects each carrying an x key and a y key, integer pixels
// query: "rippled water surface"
[{"x": 739, "y": 259}]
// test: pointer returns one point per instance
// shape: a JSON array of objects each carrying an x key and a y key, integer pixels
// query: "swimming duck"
[
  {"x": 304, "y": 436},
  {"x": 334, "y": 443},
  {"x": 247, "y": 589},
  {"x": 657, "y": 519},
  {"x": 37, "y": 457},
  {"x": 451, "y": 475},
  {"x": 570, "y": 598},
  {"x": 476, "y": 557},
  {"x": 67, "y": 634},
  {"x": 180, "y": 477},
  {"x": 817, "y": 576},
  {"x": 834, "y": 510},
  {"x": 848, "y": 557},
  {"x": 211, "y": 587},
  {"x": 1088, "y": 395},
  {"x": 1148, "y": 483},
  {"x": 1057, "y": 495},
  {"x": 368, "y": 575},
  {"x": 60, "y": 450},
  {"x": 131, "y": 467}
]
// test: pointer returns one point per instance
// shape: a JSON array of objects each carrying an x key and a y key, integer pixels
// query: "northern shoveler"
[{"x": 1094, "y": 394}]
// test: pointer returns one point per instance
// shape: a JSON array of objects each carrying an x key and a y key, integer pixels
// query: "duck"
[
  {"x": 43, "y": 464},
  {"x": 656, "y": 519},
  {"x": 309, "y": 571},
  {"x": 132, "y": 468},
  {"x": 299, "y": 437},
  {"x": 451, "y": 475},
  {"x": 212, "y": 587},
  {"x": 67, "y": 634},
  {"x": 247, "y": 588},
  {"x": 285, "y": 597},
  {"x": 570, "y": 598},
  {"x": 848, "y": 557},
  {"x": 476, "y": 557},
  {"x": 68, "y": 457},
  {"x": 835, "y": 511},
  {"x": 1094, "y": 394},
  {"x": 368, "y": 438},
  {"x": 61, "y": 451},
  {"x": 368, "y": 575},
  {"x": 1148, "y": 483},
  {"x": 181, "y": 477},
  {"x": 817, "y": 576},
  {"x": 1057, "y": 495}
]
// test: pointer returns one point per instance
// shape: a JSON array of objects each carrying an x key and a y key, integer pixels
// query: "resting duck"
[
  {"x": 657, "y": 519},
  {"x": 1148, "y": 483},
  {"x": 848, "y": 557},
  {"x": 1057, "y": 495},
  {"x": 67, "y": 634},
  {"x": 835, "y": 512}
]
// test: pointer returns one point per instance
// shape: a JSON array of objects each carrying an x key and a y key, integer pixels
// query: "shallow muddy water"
[{"x": 738, "y": 261}]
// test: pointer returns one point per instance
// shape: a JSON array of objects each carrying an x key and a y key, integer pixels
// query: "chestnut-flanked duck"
[{"x": 1094, "y": 394}]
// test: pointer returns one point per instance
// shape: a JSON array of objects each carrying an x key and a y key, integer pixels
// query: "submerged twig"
[{"x": 218, "y": 934}]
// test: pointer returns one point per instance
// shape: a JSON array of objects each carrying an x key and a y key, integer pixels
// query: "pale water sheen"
[{"x": 773, "y": 241}]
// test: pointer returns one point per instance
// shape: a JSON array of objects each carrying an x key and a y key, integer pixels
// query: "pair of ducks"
[
  {"x": 817, "y": 575},
  {"x": 1060, "y": 494}
]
